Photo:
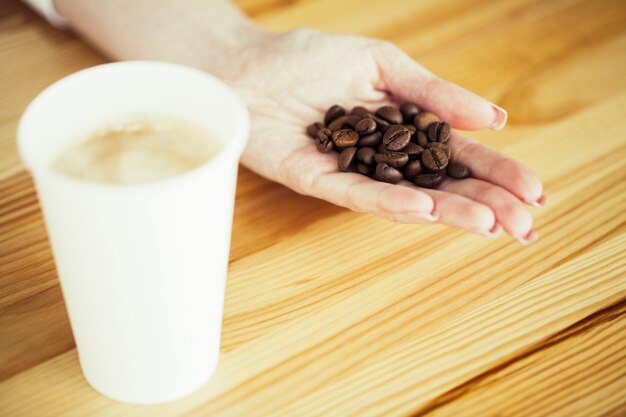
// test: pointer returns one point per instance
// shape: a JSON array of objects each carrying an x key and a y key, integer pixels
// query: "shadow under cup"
[{"x": 142, "y": 266}]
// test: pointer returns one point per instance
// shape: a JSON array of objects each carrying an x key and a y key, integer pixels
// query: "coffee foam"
[{"x": 138, "y": 151}]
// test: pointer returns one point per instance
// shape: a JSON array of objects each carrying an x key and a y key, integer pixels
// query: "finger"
[
  {"x": 406, "y": 80},
  {"x": 492, "y": 166},
  {"x": 360, "y": 193},
  {"x": 459, "y": 211},
  {"x": 308, "y": 172},
  {"x": 312, "y": 173},
  {"x": 509, "y": 211}
]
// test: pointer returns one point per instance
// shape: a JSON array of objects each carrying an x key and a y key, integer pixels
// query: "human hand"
[{"x": 288, "y": 81}]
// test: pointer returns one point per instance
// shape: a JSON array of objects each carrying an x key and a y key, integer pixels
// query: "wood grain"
[{"x": 335, "y": 313}]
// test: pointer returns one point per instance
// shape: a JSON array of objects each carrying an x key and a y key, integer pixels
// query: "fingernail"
[
  {"x": 429, "y": 217},
  {"x": 529, "y": 238},
  {"x": 540, "y": 202},
  {"x": 500, "y": 117},
  {"x": 494, "y": 231}
]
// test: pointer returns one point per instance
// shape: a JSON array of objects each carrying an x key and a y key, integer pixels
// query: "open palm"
[{"x": 289, "y": 82}]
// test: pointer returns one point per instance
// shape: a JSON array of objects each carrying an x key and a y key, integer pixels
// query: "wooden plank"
[
  {"x": 308, "y": 367},
  {"x": 580, "y": 371}
]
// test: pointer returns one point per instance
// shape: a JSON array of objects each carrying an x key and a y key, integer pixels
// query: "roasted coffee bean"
[
  {"x": 344, "y": 138},
  {"x": 409, "y": 111},
  {"x": 383, "y": 128},
  {"x": 414, "y": 151},
  {"x": 434, "y": 159},
  {"x": 372, "y": 140},
  {"x": 381, "y": 124},
  {"x": 413, "y": 169},
  {"x": 360, "y": 111},
  {"x": 346, "y": 158},
  {"x": 428, "y": 180},
  {"x": 421, "y": 139},
  {"x": 345, "y": 121},
  {"x": 323, "y": 140},
  {"x": 457, "y": 170},
  {"x": 312, "y": 130},
  {"x": 387, "y": 174},
  {"x": 396, "y": 138},
  {"x": 389, "y": 144},
  {"x": 365, "y": 127},
  {"x": 338, "y": 123},
  {"x": 365, "y": 169},
  {"x": 333, "y": 113},
  {"x": 352, "y": 120},
  {"x": 390, "y": 114},
  {"x": 366, "y": 155},
  {"x": 424, "y": 119},
  {"x": 439, "y": 132},
  {"x": 393, "y": 159},
  {"x": 443, "y": 146}
]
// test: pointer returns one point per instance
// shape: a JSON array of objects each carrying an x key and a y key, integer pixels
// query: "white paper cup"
[{"x": 142, "y": 267}]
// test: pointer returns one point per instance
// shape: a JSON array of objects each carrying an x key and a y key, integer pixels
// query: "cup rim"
[{"x": 235, "y": 145}]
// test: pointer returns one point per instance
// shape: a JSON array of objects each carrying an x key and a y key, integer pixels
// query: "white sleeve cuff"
[{"x": 46, "y": 9}]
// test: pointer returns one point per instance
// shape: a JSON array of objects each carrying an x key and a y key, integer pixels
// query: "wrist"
[
  {"x": 209, "y": 34},
  {"x": 224, "y": 49}
]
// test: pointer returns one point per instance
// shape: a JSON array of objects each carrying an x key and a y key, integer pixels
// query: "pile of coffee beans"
[{"x": 390, "y": 144}]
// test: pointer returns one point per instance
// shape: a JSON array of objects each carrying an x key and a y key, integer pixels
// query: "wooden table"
[{"x": 334, "y": 313}]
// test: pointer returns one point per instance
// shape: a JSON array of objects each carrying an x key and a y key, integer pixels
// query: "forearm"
[{"x": 208, "y": 34}]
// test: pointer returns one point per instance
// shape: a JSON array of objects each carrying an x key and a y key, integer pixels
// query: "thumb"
[{"x": 406, "y": 80}]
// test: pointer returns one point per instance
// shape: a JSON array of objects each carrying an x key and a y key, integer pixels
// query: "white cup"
[{"x": 142, "y": 267}]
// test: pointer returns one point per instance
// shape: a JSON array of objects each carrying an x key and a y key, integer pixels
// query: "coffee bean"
[
  {"x": 421, "y": 139},
  {"x": 409, "y": 111},
  {"x": 424, "y": 119},
  {"x": 323, "y": 140},
  {"x": 365, "y": 169},
  {"x": 439, "y": 132},
  {"x": 346, "y": 157},
  {"x": 396, "y": 138},
  {"x": 332, "y": 113},
  {"x": 414, "y": 151},
  {"x": 457, "y": 170},
  {"x": 372, "y": 140},
  {"x": 365, "y": 127},
  {"x": 344, "y": 138},
  {"x": 387, "y": 174},
  {"x": 428, "y": 180},
  {"x": 393, "y": 159},
  {"x": 381, "y": 124},
  {"x": 413, "y": 169},
  {"x": 383, "y": 128},
  {"x": 360, "y": 111},
  {"x": 434, "y": 159},
  {"x": 352, "y": 120},
  {"x": 443, "y": 146},
  {"x": 389, "y": 144},
  {"x": 390, "y": 114},
  {"x": 312, "y": 130},
  {"x": 338, "y": 123},
  {"x": 324, "y": 133},
  {"x": 366, "y": 155}
]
